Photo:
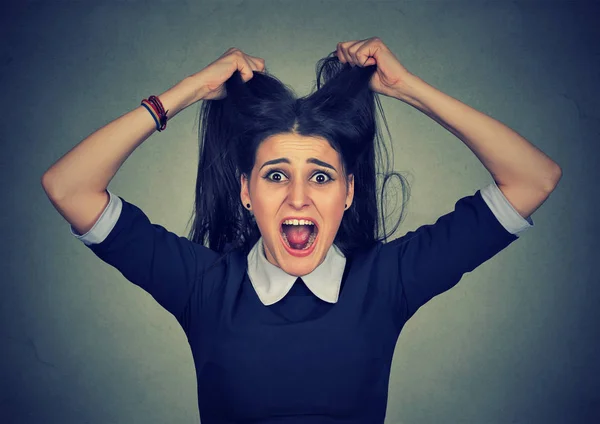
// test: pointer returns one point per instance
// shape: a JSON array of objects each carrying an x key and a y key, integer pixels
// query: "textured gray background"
[{"x": 515, "y": 342}]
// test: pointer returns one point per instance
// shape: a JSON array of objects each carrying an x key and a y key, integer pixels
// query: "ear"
[
  {"x": 244, "y": 190},
  {"x": 350, "y": 193}
]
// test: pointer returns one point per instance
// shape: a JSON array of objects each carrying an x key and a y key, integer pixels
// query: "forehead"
[{"x": 295, "y": 146}]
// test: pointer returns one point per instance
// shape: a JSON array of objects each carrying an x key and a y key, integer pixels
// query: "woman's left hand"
[{"x": 391, "y": 77}]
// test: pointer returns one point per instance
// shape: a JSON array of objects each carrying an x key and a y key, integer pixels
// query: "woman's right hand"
[{"x": 210, "y": 81}]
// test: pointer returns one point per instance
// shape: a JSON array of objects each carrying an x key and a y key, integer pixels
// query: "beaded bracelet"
[{"x": 156, "y": 109}]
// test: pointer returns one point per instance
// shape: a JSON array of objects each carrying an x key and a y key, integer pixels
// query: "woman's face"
[{"x": 300, "y": 188}]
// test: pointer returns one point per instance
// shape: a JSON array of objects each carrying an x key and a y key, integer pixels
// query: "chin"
[
  {"x": 300, "y": 266},
  {"x": 299, "y": 271}
]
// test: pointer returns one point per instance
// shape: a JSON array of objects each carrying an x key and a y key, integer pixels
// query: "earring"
[
  {"x": 345, "y": 206},
  {"x": 248, "y": 205}
]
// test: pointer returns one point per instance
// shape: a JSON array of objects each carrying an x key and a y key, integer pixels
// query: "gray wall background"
[{"x": 515, "y": 342}]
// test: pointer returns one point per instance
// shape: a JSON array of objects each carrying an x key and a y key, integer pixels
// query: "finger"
[
  {"x": 353, "y": 50},
  {"x": 369, "y": 61},
  {"x": 243, "y": 65},
  {"x": 259, "y": 62},
  {"x": 339, "y": 54},
  {"x": 344, "y": 54},
  {"x": 366, "y": 53},
  {"x": 365, "y": 57},
  {"x": 252, "y": 63},
  {"x": 363, "y": 52}
]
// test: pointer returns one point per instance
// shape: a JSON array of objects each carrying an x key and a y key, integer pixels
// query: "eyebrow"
[{"x": 309, "y": 160}]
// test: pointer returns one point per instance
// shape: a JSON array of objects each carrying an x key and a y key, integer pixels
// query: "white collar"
[{"x": 272, "y": 283}]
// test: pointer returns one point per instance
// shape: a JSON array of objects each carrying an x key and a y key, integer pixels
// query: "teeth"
[{"x": 298, "y": 222}]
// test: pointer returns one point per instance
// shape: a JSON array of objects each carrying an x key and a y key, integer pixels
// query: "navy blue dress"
[{"x": 300, "y": 360}]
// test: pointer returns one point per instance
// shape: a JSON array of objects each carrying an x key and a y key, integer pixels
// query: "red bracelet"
[{"x": 156, "y": 109}]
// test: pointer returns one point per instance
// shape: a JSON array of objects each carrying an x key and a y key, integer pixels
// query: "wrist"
[
  {"x": 410, "y": 89},
  {"x": 178, "y": 97}
]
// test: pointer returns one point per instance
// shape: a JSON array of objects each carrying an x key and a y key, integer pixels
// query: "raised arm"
[
  {"x": 76, "y": 184},
  {"x": 524, "y": 174}
]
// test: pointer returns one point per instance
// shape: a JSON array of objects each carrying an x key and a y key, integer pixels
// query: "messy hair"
[{"x": 341, "y": 110}]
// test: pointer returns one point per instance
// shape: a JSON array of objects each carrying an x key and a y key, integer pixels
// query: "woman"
[{"x": 294, "y": 307}]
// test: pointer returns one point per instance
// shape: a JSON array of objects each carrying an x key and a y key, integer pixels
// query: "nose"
[{"x": 298, "y": 195}]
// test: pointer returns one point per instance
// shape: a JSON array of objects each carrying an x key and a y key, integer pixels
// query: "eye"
[
  {"x": 326, "y": 174},
  {"x": 268, "y": 174},
  {"x": 276, "y": 172}
]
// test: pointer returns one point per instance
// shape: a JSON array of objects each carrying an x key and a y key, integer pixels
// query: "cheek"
[
  {"x": 265, "y": 210},
  {"x": 332, "y": 209},
  {"x": 333, "y": 200}
]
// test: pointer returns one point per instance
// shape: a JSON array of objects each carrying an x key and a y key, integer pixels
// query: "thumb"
[
  {"x": 370, "y": 61},
  {"x": 245, "y": 70}
]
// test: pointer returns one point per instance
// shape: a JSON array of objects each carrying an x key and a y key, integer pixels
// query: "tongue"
[{"x": 297, "y": 235}]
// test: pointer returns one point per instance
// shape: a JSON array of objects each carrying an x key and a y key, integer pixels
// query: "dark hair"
[{"x": 341, "y": 111}]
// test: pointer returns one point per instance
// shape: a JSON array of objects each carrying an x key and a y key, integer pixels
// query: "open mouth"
[{"x": 299, "y": 237}]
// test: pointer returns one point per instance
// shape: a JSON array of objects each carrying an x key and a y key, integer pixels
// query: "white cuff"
[
  {"x": 104, "y": 224},
  {"x": 504, "y": 211}
]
